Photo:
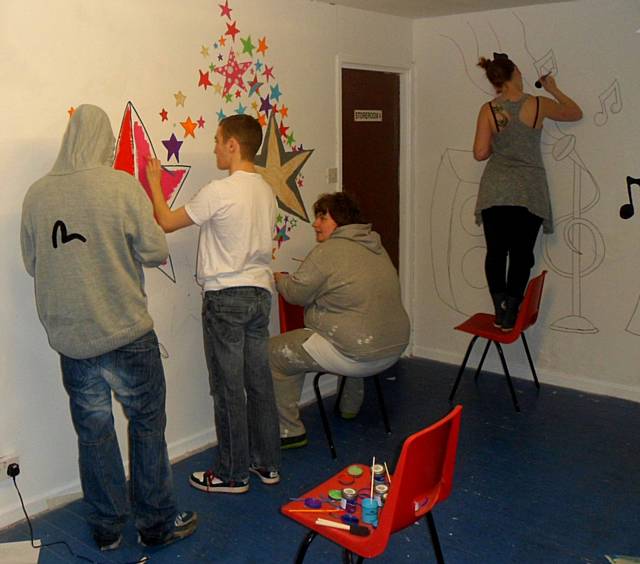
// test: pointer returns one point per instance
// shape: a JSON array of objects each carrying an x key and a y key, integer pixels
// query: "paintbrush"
[{"x": 358, "y": 530}]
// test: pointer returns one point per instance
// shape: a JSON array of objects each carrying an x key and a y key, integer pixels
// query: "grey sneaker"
[
  {"x": 108, "y": 543},
  {"x": 184, "y": 525},
  {"x": 269, "y": 477},
  {"x": 210, "y": 483}
]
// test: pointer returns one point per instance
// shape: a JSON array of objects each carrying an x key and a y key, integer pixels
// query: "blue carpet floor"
[{"x": 556, "y": 483}]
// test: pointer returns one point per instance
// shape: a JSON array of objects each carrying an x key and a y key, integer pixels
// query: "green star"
[
  {"x": 228, "y": 98},
  {"x": 279, "y": 218},
  {"x": 290, "y": 139},
  {"x": 247, "y": 46}
]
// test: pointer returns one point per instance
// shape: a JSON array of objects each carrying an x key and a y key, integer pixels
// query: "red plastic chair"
[
  {"x": 292, "y": 317},
  {"x": 422, "y": 479},
  {"x": 481, "y": 325}
]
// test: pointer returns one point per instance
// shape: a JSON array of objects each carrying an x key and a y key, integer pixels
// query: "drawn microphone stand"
[
  {"x": 575, "y": 322},
  {"x": 626, "y": 212}
]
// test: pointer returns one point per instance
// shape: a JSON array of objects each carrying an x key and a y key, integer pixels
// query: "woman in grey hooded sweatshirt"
[{"x": 355, "y": 323}]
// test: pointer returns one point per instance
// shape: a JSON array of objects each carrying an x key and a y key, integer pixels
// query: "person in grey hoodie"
[
  {"x": 87, "y": 230},
  {"x": 355, "y": 323}
]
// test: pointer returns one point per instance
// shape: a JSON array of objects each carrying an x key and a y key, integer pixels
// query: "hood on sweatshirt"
[
  {"x": 87, "y": 143},
  {"x": 360, "y": 233}
]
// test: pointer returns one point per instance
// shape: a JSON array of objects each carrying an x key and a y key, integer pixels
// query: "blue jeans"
[
  {"x": 235, "y": 324},
  {"x": 135, "y": 375}
]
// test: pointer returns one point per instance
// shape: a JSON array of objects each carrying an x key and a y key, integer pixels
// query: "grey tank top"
[{"x": 515, "y": 175}]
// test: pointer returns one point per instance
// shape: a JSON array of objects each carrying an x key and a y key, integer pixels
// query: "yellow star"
[
  {"x": 189, "y": 127},
  {"x": 217, "y": 88},
  {"x": 180, "y": 98},
  {"x": 254, "y": 105},
  {"x": 204, "y": 51},
  {"x": 280, "y": 168}
]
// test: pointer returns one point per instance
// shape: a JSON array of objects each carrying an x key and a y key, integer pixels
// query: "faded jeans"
[
  {"x": 289, "y": 363},
  {"x": 235, "y": 323},
  {"x": 135, "y": 375}
]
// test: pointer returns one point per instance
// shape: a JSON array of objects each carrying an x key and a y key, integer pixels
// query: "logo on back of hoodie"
[{"x": 60, "y": 226}]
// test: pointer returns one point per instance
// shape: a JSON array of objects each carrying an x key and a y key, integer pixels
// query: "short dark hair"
[
  {"x": 498, "y": 71},
  {"x": 246, "y": 130},
  {"x": 342, "y": 207}
]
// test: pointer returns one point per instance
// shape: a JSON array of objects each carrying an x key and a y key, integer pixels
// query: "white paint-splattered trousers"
[{"x": 289, "y": 363}]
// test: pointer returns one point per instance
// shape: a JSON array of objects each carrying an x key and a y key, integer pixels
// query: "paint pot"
[
  {"x": 313, "y": 502},
  {"x": 349, "y": 519},
  {"x": 380, "y": 493},
  {"x": 349, "y": 500},
  {"x": 379, "y": 476},
  {"x": 354, "y": 470},
  {"x": 370, "y": 511}
]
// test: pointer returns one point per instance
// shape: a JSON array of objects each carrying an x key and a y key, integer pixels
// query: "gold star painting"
[{"x": 280, "y": 169}]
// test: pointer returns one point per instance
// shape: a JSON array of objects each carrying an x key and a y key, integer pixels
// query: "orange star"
[
  {"x": 262, "y": 120},
  {"x": 284, "y": 111},
  {"x": 71, "y": 110},
  {"x": 189, "y": 127},
  {"x": 222, "y": 40},
  {"x": 262, "y": 46}
]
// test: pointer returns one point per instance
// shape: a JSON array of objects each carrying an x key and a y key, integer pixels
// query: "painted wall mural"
[
  {"x": 133, "y": 149},
  {"x": 235, "y": 76},
  {"x": 457, "y": 244}
]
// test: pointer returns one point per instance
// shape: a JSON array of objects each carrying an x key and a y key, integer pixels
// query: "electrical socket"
[{"x": 5, "y": 462}]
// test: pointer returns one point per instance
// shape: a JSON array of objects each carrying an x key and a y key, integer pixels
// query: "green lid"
[
  {"x": 354, "y": 470},
  {"x": 335, "y": 494}
]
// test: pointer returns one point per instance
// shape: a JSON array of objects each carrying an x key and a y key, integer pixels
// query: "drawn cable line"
[{"x": 466, "y": 68}]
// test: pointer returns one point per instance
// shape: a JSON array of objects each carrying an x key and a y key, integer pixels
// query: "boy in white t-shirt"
[{"x": 236, "y": 217}]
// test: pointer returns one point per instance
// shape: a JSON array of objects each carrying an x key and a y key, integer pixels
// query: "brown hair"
[
  {"x": 499, "y": 70},
  {"x": 246, "y": 130},
  {"x": 342, "y": 207}
]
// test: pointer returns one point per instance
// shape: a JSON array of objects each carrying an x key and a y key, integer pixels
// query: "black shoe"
[
  {"x": 208, "y": 482},
  {"x": 297, "y": 441},
  {"x": 511, "y": 313},
  {"x": 184, "y": 525},
  {"x": 499, "y": 308},
  {"x": 107, "y": 542},
  {"x": 269, "y": 477}
]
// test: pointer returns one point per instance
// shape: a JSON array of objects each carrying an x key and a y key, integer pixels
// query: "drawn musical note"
[
  {"x": 601, "y": 117},
  {"x": 547, "y": 64},
  {"x": 627, "y": 210}
]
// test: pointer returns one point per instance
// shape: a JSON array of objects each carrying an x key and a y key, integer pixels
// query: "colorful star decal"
[
  {"x": 268, "y": 72},
  {"x": 163, "y": 114},
  {"x": 232, "y": 30},
  {"x": 180, "y": 98},
  {"x": 173, "y": 147},
  {"x": 232, "y": 73},
  {"x": 247, "y": 46},
  {"x": 221, "y": 115},
  {"x": 280, "y": 169},
  {"x": 265, "y": 105},
  {"x": 71, "y": 111},
  {"x": 225, "y": 10},
  {"x": 189, "y": 127},
  {"x": 222, "y": 40},
  {"x": 284, "y": 111},
  {"x": 201, "y": 122},
  {"x": 283, "y": 129},
  {"x": 262, "y": 46},
  {"x": 275, "y": 92},
  {"x": 204, "y": 79},
  {"x": 204, "y": 51},
  {"x": 254, "y": 86},
  {"x": 240, "y": 109},
  {"x": 133, "y": 150}
]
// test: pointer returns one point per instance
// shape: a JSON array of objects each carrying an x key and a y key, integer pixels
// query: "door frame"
[{"x": 406, "y": 176}]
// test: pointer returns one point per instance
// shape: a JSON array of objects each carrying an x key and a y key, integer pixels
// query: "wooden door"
[{"x": 371, "y": 149}]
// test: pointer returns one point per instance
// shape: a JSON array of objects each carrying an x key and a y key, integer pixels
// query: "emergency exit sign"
[{"x": 367, "y": 115}]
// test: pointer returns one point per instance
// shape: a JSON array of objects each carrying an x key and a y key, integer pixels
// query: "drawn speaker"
[{"x": 457, "y": 243}]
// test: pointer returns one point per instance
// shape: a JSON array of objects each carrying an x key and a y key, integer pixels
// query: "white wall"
[
  {"x": 595, "y": 44},
  {"x": 63, "y": 53}
]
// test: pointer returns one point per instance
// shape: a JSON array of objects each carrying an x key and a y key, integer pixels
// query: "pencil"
[{"x": 314, "y": 510}]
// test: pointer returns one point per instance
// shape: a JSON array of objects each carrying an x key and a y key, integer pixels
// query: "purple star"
[
  {"x": 266, "y": 105},
  {"x": 173, "y": 147}
]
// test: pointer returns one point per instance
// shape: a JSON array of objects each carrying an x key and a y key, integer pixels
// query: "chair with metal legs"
[{"x": 482, "y": 325}]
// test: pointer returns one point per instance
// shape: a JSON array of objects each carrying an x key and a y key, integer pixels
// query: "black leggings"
[{"x": 509, "y": 231}]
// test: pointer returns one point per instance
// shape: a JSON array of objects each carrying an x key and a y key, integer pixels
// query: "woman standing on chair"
[{"x": 513, "y": 199}]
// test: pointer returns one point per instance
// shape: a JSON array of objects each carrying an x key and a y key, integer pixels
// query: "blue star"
[
  {"x": 258, "y": 66},
  {"x": 275, "y": 93},
  {"x": 240, "y": 109},
  {"x": 221, "y": 115}
]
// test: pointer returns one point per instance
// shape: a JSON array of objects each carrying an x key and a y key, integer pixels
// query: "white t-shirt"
[{"x": 236, "y": 218}]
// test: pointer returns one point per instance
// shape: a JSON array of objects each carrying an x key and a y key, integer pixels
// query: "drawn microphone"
[{"x": 538, "y": 83}]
